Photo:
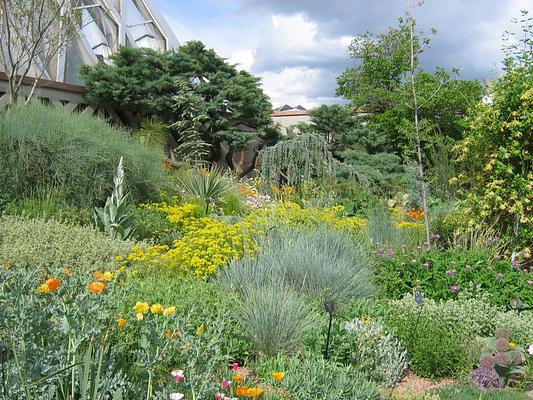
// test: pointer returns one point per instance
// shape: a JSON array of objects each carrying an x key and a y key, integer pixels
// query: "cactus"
[{"x": 115, "y": 217}]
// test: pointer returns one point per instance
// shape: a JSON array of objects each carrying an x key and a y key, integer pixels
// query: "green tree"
[
  {"x": 359, "y": 148},
  {"x": 497, "y": 178},
  {"x": 380, "y": 86},
  {"x": 151, "y": 83}
]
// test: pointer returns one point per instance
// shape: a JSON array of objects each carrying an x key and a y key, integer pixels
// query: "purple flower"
[
  {"x": 502, "y": 344},
  {"x": 485, "y": 378},
  {"x": 515, "y": 263},
  {"x": 501, "y": 333},
  {"x": 499, "y": 276},
  {"x": 502, "y": 359},
  {"x": 451, "y": 272},
  {"x": 435, "y": 236},
  {"x": 390, "y": 252},
  {"x": 224, "y": 383},
  {"x": 381, "y": 253},
  {"x": 487, "y": 361},
  {"x": 428, "y": 264},
  {"x": 517, "y": 358},
  {"x": 455, "y": 288}
]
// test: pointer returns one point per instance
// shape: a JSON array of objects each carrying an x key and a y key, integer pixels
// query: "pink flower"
[
  {"x": 176, "y": 396},
  {"x": 220, "y": 396},
  {"x": 235, "y": 367},
  {"x": 178, "y": 375},
  {"x": 224, "y": 383}
]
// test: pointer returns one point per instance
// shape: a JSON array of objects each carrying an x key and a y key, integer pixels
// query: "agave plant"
[
  {"x": 208, "y": 184},
  {"x": 115, "y": 217}
]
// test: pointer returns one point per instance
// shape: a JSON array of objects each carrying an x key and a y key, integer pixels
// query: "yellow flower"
[
  {"x": 365, "y": 319},
  {"x": 512, "y": 344},
  {"x": 156, "y": 308},
  {"x": 200, "y": 330},
  {"x": 43, "y": 288},
  {"x": 106, "y": 276},
  {"x": 119, "y": 258},
  {"x": 278, "y": 375},
  {"x": 121, "y": 322},
  {"x": 139, "y": 316},
  {"x": 169, "y": 311},
  {"x": 141, "y": 308},
  {"x": 254, "y": 393},
  {"x": 237, "y": 378}
]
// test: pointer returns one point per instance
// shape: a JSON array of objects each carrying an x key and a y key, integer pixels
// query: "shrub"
[
  {"x": 468, "y": 393},
  {"x": 44, "y": 147},
  {"x": 435, "y": 349},
  {"x": 46, "y": 244},
  {"x": 311, "y": 377},
  {"x": 470, "y": 316},
  {"x": 376, "y": 352},
  {"x": 442, "y": 274}
]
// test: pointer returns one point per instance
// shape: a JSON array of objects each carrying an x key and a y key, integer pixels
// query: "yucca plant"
[
  {"x": 115, "y": 218},
  {"x": 210, "y": 185}
]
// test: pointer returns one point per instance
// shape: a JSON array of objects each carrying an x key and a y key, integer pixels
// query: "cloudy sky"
[{"x": 299, "y": 47}]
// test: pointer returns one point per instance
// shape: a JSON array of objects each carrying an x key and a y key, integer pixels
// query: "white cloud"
[
  {"x": 243, "y": 59},
  {"x": 296, "y": 85},
  {"x": 294, "y": 40}
]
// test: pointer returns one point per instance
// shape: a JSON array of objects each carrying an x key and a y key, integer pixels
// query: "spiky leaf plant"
[
  {"x": 209, "y": 185},
  {"x": 115, "y": 218}
]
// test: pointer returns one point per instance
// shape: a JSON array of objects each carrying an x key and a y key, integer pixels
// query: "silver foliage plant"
[
  {"x": 377, "y": 353},
  {"x": 115, "y": 218}
]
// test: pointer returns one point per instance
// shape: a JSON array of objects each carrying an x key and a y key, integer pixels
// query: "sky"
[{"x": 299, "y": 47}]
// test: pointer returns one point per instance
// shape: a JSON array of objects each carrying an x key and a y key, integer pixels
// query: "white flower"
[
  {"x": 530, "y": 349},
  {"x": 177, "y": 396}
]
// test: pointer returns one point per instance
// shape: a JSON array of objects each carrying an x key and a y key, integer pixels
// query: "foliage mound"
[
  {"x": 35, "y": 243},
  {"x": 43, "y": 147}
]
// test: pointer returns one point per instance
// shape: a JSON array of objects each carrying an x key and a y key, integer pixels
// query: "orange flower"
[
  {"x": 53, "y": 284},
  {"x": 171, "y": 335},
  {"x": 96, "y": 287},
  {"x": 103, "y": 277},
  {"x": 121, "y": 322},
  {"x": 241, "y": 390},
  {"x": 278, "y": 375},
  {"x": 254, "y": 393},
  {"x": 68, "y": 271},
  {"x": 237, "y": 378}
]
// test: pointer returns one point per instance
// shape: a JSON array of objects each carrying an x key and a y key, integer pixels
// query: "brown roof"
[{"x": 289, "y": 113}]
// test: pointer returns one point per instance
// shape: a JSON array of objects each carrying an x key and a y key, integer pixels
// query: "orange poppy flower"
[
  {"x": 96, "y": 287},
  {"x": 53, "y": 284},
  {"x": 121, "y": 322},
  {"x": 237, "y": 378},
  {"x": 241, "y": 390},
  {"x": 278, "y": 375},
  {"x": 254, "y": 393}
]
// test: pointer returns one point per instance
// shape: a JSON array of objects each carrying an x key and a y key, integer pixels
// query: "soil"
[{"x": 412, "y": 386}]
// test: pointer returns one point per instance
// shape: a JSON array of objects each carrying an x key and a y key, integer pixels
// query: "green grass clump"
[{"x": 43, "y": 147}]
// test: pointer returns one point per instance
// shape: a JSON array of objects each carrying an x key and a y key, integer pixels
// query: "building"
[
  {"x": 104, "y": 26},
  {"x": 287, "y": 117}
]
